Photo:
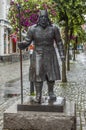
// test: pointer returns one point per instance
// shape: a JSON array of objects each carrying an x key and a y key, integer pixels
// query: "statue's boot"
[
  {"x": 38, "y": 86},
  {"x": 52, "y": 96}
]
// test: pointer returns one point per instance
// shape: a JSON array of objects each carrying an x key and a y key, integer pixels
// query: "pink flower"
[
  {"x": 12, "y": 2},
  {"x": 25, "y": 0},
  {"x": 34, "y": 18}
]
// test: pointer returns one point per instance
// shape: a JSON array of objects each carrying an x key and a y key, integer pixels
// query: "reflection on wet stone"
[{"x": 12, "y": 89}]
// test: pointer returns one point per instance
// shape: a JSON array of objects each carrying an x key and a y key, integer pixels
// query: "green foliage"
[
  {"x": 71, "y": 11},
  {"x": 71, "y": 16}
]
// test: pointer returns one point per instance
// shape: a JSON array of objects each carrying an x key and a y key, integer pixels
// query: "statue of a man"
[{"x": 44, "y": 65}]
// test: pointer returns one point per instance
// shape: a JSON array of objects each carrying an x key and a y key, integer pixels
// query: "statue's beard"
[{"x": 43, "y": 24}]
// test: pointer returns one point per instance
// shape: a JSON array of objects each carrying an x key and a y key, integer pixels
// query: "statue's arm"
[
  {"x": 59, "y": 42},
  {"x": 28, "y": 39}
]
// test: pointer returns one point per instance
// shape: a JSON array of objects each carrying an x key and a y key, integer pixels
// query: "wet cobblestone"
[{"x": 73, "y": 90}]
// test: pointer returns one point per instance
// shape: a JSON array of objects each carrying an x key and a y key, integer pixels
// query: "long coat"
[{"x": 44, "y": 62}]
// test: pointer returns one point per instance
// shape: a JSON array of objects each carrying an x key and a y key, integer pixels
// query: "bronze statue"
[
  {"x": 31, "y": 48},
  {"x": 44, "y": 65}
]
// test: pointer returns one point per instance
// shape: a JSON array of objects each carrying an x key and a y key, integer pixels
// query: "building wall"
[
  {"x": 7, "y": 46},
  {"x": 4, "y": 27},
  {"x": 1, "y": 40},
  {"x": 3, "y": 9}
]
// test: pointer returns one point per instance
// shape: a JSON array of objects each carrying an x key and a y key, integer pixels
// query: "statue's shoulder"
[
  {"x": 55, "y": 26},
  {"x": 31, "y": 28}
]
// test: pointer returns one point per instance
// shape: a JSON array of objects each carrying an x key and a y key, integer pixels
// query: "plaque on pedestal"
[{"x": 46, "y": 106}]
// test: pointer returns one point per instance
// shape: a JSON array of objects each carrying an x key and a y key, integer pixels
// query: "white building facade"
[
  {"x": 9, "y": 50},
  {"x": 5, "y": 46}
]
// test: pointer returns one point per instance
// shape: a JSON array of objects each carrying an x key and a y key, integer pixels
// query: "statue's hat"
[{"x": 43, "y": 12}]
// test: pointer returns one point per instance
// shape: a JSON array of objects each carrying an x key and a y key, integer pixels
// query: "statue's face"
[{"x": 43, "y": 21}]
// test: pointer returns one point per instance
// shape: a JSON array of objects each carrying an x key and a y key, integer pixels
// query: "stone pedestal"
[
  {"x": 35, "y": 120},
  {"x": 46, "y": 106}
]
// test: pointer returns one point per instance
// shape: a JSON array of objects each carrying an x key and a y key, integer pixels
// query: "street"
[
  {"x": 73, "y": 90},
  {"x": 10, "y": 87}
]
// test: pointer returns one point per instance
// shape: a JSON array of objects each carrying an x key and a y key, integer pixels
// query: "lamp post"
[{"x": 19, "y": 10}]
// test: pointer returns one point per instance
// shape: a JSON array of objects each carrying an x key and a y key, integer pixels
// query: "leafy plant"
[{"x": 29, "y": 10}]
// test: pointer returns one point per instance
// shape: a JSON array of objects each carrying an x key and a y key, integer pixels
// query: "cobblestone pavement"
[
  {"x": 73, "y": 90},
  {"x": 10, "y": 85}
]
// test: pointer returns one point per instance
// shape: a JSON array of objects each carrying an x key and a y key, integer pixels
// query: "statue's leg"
[
  {"x": 38, "y": 86},
  {"x": 51, "y": 90},
  {"x": 31, "y": 87}
]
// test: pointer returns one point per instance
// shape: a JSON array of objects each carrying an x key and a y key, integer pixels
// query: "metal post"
[{"x": 19, "y": 7}]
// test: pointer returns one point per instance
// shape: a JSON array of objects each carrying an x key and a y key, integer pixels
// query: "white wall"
[
  {"x": 3, "y": 9},
  {"x": 1, "y": 40},
  {"x": 4, "y": 6}
]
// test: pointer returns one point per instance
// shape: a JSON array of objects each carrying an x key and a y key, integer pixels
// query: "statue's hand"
[{"x": 21, "y": 45}]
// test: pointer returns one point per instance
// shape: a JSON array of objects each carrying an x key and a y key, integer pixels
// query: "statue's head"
[
  {"x": 43, "y": 13},
  {"x": 43, "y": 18}
]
